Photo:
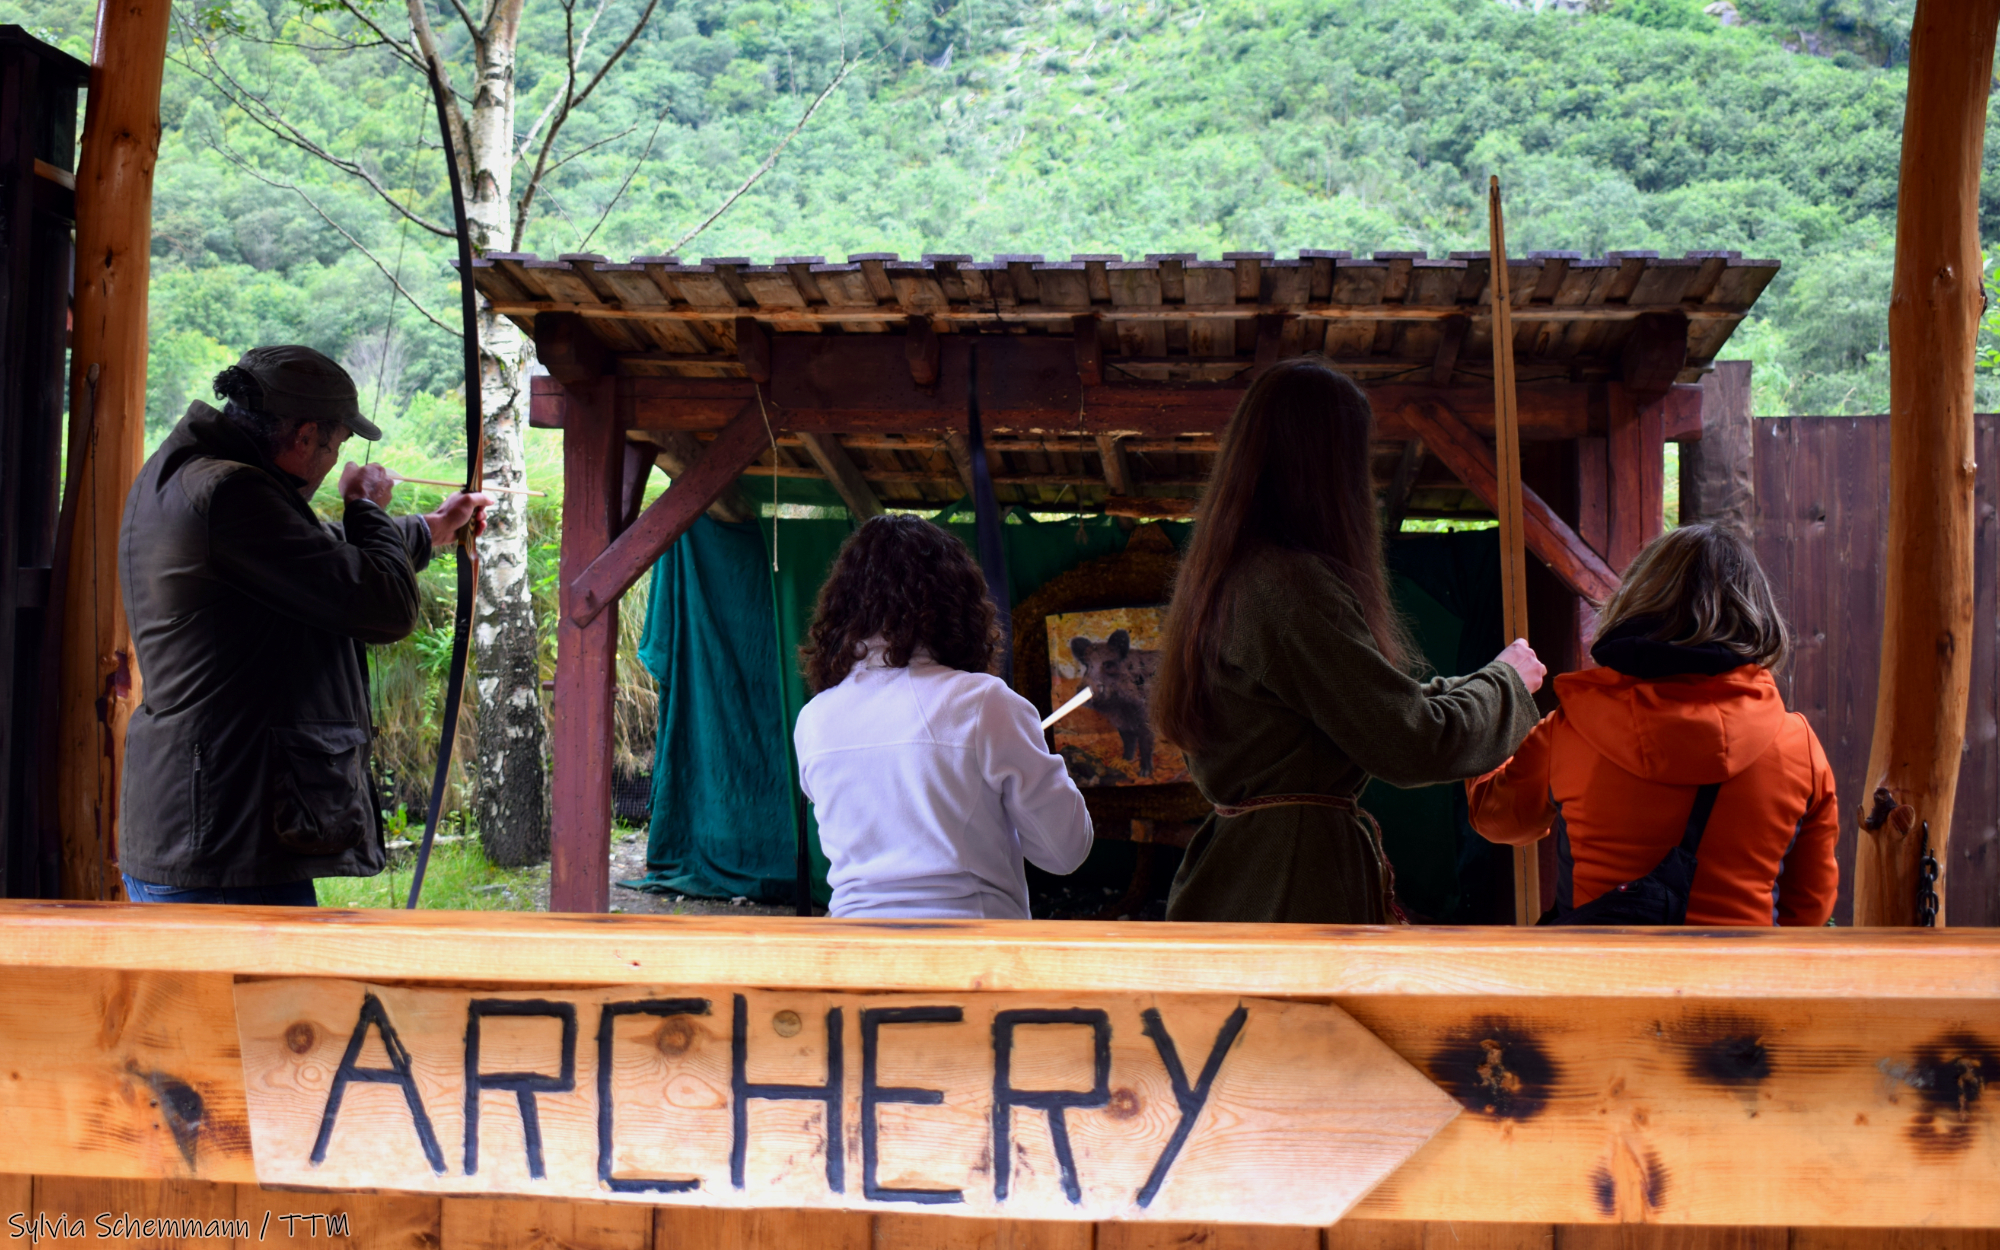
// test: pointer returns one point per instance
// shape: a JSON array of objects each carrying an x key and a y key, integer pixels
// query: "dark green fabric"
[{"x": 721, "y": 819}]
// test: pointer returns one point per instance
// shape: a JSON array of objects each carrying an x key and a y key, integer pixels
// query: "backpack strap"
[{"x": 1704, "y": 803}]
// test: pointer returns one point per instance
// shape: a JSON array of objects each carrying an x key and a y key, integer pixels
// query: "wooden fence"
[{"x": 1822, "y": 515}]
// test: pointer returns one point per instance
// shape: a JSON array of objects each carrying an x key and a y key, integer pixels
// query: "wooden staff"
[{"x": 1513, "y": 545}]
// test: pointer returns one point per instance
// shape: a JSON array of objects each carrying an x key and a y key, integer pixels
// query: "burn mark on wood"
[
  {"x": 1650, "y": 1172},
  {"x": 1604, "y": 1190},
  {"x": 1495, "y": 1068},
  {"x": 181, "y": 1110},
  {"x": 1723, "y": 1048},
  {"x": 1950, "y": 1075}
]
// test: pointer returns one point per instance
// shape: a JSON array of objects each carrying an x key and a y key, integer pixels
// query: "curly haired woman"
[{"x": 930, "y": 777}]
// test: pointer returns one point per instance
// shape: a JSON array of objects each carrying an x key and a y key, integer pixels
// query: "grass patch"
[{"x": 460, "y": 878}]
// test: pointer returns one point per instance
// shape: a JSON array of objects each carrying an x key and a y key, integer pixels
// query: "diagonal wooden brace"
[
  {"x": 1549, "y": 537},
  {"x": 628, "y": 557}
]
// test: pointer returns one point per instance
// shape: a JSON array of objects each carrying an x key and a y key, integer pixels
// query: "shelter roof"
[
  {"x": 1167, "y": 317},
  {"x": 1399, "y": 322}
]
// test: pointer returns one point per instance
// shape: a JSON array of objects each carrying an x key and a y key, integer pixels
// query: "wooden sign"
[{"x": 1243, "y": 1110}]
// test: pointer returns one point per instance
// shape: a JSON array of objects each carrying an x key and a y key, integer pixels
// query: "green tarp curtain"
[{"x": 722, "y": 638}]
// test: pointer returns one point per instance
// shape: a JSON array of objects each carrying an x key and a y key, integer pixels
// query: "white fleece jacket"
[{"x": 930, "y": 785}]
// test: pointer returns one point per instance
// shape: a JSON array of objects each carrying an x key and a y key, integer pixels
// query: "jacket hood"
[{"x": 1685, "y": 730}]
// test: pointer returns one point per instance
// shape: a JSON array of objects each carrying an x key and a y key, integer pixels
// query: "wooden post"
[
  {"x": 586, "y": 657},
  {"x": 1717, "y": 480},
  {"x": 114, "y": 203},
  {"x": 1507, "y": 506},
  {"x": 1636, "y": 449},
  {"x": 1934, "y": 309}
]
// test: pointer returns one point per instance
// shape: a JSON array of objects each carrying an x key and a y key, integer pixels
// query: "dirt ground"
[{"x": 628, "y": 863}]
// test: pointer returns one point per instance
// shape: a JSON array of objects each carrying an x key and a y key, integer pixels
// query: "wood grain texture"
[
  {"x": 1951, "y": 966},
  {"x": 373, "y": 1221},
  {"x": 198, "y": 1210},
  {"x": 1305, "y": 1113},
  {"x": 99, "y": 683},
  {"x": 113, "y": 1074},
  {"x": 1656, "y": 1237},
  {"x": 503, "y": 1224},
  {"x": 1204, "y": 1237},
  {"x": 931, "y": 1232},
  {"x": 711, "y": 1228},
  {"x": 586, "y": 654},
  {"x": 1935, "y": 305}
]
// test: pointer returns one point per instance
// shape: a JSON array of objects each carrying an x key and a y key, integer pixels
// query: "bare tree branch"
[
  {"x": 589, "y": 148},
  {"x": 258, "y": 110},
  {"x": 465, "y": 15},
  {"x": 427, "y": 46},
  {"x": 403, "y": 52},
  {"x": 770, "y": 160},
  {"x": 630, "y": 174},
  {"x": 572, "y": 99},
  {"x": 359, "y": 246}
]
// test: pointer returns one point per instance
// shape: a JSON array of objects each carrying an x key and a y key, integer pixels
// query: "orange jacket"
[{"x": 1614, "y": 771}]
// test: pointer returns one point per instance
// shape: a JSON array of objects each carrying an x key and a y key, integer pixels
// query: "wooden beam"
[
  {"x": 1548, "y": 536},
  {"x": 955, "y": 443},
  {"x": 611, "y": 572},
  {"x": 753, "y": 350},
  {"x": 1151, "y": 509},
  {"x": 637, "y": 468},
  {"x": 1450, "y": 343},
  {"x": 855, "y": 384},
  {"x": 99, "y": 683},
  {"x": 840, "y": 470},
  {"x": 678, "y": 451},
  {"x": 1655, "y": 353},
  {"x": 920, "y": 352},
  {"x": 1117, "y": 469},
  {"x": 1407, "y": 464},
  {"x": 1089, "y": 352},
  {"x": 1934, "y": 312},
  {"x": 1636, "y": 449},
  {"x": 566, "y": 347},
  {"x": 581, "y": 727},
  {"x": 1030, "y": 313}
]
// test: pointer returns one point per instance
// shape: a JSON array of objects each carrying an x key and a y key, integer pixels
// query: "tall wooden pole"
[
  {"x": 1934, "y": 312},
  {"x": 1513, "y": 538},
  {"x": 114, "y": 225}
]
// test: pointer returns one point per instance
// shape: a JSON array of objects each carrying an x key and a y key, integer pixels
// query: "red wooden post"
[
  {"x": 586, "y": 657},
  {"x": 1636, "y": 448}
]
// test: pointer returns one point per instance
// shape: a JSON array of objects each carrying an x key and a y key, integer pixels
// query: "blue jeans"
[{"x": 290, "y": 894}]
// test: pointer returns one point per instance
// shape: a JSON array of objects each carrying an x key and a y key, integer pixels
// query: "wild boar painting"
[{"x": 1109, "y": 741}]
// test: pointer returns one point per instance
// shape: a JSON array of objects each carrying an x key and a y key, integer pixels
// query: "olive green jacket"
[{"x": 1306, "y": 703}]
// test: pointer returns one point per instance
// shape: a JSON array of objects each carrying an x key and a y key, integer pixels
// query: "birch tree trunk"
[{"x": 511, "y": 803}]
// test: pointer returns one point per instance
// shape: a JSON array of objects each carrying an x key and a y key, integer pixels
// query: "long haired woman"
[
  {"x": 1682, "y": 702},
  {"x": 1285, "y": 673}
]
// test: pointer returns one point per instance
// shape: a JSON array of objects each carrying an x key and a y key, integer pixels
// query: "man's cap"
[{"x": 300, "y": 384}]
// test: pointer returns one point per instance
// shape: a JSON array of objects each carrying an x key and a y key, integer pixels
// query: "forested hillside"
[{"x": 989, "y": 126}]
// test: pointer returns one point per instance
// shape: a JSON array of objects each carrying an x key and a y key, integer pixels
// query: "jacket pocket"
[{"x": 317, "y": 787}]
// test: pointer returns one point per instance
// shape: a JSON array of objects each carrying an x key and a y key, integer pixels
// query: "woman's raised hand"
[{"x": 1522, "y": 657}]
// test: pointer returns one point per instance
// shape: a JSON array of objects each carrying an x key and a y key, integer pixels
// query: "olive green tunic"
[{"x": 1305, "y": 703}]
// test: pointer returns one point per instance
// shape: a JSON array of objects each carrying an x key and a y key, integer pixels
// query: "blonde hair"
[{"x": 1702, "y": 584}]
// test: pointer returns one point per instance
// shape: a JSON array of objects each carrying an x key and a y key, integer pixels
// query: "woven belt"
[
  {"x": 1285, "y": 800},
  {"x": 1371, "y": 831}
]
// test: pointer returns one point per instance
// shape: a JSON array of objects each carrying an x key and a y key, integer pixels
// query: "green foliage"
[{"x": 1054, "y": 126}]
